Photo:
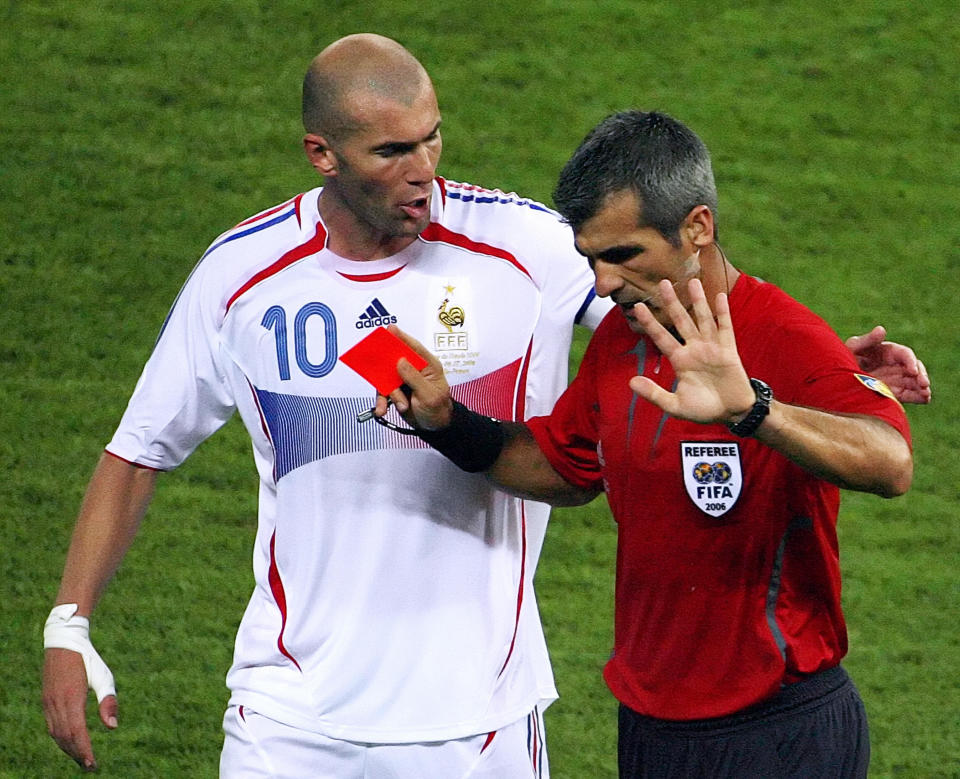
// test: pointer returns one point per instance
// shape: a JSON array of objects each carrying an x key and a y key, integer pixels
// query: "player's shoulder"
[
  {"x": 769, "y": 323},
  {"x": 521, "y": 226},
  {"x": 261, "y": 239},
  {"x": 764, "y": 304},
  {"x": 272, "y": 227},
  {"x": 465, "y": 203},
  {"x": 249, "y": 248},
  {"x": 475, "y": 195}
]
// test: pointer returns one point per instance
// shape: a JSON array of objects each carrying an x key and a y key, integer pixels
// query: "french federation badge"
[
  {"x": 712, "y": 474},
  {"x": 451, "y": 315}
]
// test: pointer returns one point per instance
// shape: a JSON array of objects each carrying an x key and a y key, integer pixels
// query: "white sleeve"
[
  {"x": 183, "y": 395},
  {"x": 568, "y": 283},
  {"x": 594, "y": 309}
]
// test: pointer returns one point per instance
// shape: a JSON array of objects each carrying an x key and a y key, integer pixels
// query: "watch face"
[{"x": 764, "y": 393}]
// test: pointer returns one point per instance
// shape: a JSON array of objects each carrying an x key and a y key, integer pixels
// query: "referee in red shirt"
[{"x": 721, "y": 418}]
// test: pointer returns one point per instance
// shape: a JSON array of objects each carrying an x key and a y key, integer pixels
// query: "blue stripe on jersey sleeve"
[
  {"x": 254, "y": 229},
  {"x": 242, "y": 234},
  {"x": 591, "y": 294},
  {"x": 470, "y": 198}
]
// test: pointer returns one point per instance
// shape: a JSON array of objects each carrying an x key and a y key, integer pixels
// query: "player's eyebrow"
[
  {"x": 400, "y": 147},
  {"x": 614, "y": 254}
]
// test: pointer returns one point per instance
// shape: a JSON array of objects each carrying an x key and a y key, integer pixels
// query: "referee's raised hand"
[{"x": 712, "y": 385}]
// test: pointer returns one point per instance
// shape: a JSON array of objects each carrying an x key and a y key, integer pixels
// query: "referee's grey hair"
[{"x": 656, "y": 157}]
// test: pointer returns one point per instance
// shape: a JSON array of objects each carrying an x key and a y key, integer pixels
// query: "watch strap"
[{"x": 747, "y": 426}]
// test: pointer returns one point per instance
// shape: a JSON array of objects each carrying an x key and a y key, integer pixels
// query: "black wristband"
[{"x": 471, "y": 441}]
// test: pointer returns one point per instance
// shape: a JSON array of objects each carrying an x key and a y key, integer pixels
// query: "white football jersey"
[{"x": 394, "y": 593}]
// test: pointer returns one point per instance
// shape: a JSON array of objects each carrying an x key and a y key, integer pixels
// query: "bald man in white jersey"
[{"x": 393, "y": 629}]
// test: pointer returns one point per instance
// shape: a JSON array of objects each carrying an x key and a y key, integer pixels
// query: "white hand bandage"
[{"x": 64, "y": 630}]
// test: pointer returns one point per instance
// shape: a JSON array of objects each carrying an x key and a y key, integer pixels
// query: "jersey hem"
[
  {"x": 131, "y": 462},
  {"x": 130, "y": 459},
  {"x": 268, "y": 707}
]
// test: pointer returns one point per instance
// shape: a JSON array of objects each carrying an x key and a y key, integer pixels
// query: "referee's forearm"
[
  {"x": 854, "y": 452},
  {"x": 524, "y": 471}
]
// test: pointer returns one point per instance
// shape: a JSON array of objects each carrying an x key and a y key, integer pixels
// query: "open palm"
[{"x": 712, "y": 385}]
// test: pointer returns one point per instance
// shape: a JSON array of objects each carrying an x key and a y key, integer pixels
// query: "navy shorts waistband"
[{"x": 811, "y": 689}]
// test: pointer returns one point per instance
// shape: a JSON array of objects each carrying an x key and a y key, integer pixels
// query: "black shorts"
[{"x": 814, "y": 728}]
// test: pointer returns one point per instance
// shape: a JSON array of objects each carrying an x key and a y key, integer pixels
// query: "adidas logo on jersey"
[{"x": 375, "y": 316}]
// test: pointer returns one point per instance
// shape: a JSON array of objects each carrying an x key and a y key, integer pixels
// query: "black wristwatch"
[{"x": 747, "y": 426}]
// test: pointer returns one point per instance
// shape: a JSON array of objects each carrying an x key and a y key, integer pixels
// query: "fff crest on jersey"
[
  {"x": 451, "y": 315},
  {"x": 712, "y": 474}
]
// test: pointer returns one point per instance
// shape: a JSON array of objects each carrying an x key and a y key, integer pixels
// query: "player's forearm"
[
  {"x": 523, "y": 470},
  {"x": 854, "y": 452},
  {"x": 115, "y": 502}
]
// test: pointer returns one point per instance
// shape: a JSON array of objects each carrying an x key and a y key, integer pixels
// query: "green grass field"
[{"x": 134, "y": 132}]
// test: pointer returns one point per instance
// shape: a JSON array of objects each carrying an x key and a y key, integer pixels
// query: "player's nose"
[
  {"x": 423, "y": 164},
  {"x": 607, "y": 279}
]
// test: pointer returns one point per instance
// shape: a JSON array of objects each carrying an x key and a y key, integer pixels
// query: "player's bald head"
[{"x": 339, "y": 76}]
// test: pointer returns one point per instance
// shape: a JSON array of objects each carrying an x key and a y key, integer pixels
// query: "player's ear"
[
  {"x": 320, "y": 154},
  {"x": 698, "y": 226}
]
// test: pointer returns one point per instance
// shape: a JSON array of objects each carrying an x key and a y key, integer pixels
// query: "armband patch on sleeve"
[{"x": 876, "y": 385}]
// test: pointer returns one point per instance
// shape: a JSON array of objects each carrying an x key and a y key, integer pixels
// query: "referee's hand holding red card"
[{"x": 428, "y": 405}]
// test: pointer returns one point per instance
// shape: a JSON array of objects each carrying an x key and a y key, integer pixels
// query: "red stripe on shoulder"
[
  {"x": 315, "y": 244},
  {"x": 269, "y": 211},
  {"x": 296, "y": 207},
  {"x": 437, "y": 233}
]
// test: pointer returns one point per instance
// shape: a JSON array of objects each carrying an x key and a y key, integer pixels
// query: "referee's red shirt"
[{"x": 728, "y": 576}]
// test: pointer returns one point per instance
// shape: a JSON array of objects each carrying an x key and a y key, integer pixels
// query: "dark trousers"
[{"x": 814, "y": 728}]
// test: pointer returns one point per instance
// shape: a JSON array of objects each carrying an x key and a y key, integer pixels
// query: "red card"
[{"x": 375, "y": 358}]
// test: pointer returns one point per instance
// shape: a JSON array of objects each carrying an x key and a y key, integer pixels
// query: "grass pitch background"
[{"x": 133, "y": 133}]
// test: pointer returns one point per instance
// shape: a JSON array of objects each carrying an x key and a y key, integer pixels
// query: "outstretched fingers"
[
  {"x": 690, "y": 328},
  {"x": 665, "y": 341},
  {"x": 711, "y": 384},
  {"x": 706, "y": 324},
  {"x": 683, "y": 323},
  {"x": 650, "y": 391},
  {"x": 724, "y": 324}
]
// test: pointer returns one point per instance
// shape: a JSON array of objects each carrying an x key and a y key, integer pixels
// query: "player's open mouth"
[{"x": 416, "y": 208}]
